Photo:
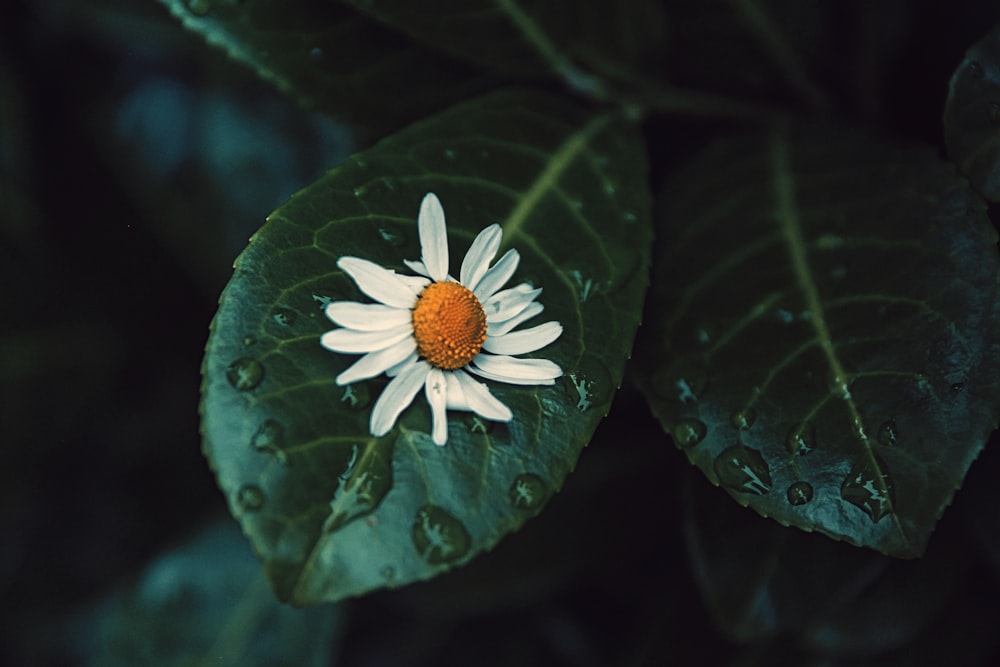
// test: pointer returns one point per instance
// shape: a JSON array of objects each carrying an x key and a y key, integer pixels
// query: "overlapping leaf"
[
  {"x": 333, "y": 511},
  {"x": 530, "y": 38},
  {"x": 826, "y": 349},
  {"x": 332, "y": 59},
  {"x": 972, "y": 116}
]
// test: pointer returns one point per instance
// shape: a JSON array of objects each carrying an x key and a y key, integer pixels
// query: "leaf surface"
[
  {"x": 333, "y": 511},
  {"x": 826, "y": 349},
  {"x": 332, "y": 59}
]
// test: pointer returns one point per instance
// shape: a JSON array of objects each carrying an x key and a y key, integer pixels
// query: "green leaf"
[
  {"x": 332, "y": 59},
  {"x": 826, "y": 344},
  {"x": 972, "y": 116},
  {"x": 333, "y": 511},
  {"x": 528, "y": 38}
]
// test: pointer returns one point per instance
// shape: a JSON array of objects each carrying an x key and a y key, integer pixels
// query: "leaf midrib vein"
[{"x": 791, "y": 228}]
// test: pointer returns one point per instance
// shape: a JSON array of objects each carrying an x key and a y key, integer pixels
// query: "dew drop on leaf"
[
  {"x": 356, "y": 396},
  {"x": 286, "y": 317},
  {"x": 743, "y": 470},
  {"x": 245, "y": 374},
  {"x": 689, "y": 432},
  {"x": 392, "y": 235},
  {"x": 250, "y": 498},
  {"x": 270, "y": 438},
  {"x": 528, "y": 492},
  {"x": 888, "y": 433},
  {"x": 438, "y": 536},
  {"x": 801, "y": 438},
  {"x": 249, "y": 340},
  {"x": 869, "y": 488},
  {"x": 800, "y": 493},
  {"x": 743, "y": 419}
]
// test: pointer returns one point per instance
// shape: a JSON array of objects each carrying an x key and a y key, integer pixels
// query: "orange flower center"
[{"x": 449, "y": 324}]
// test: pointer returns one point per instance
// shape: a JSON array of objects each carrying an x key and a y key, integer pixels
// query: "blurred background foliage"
[{"x": 134, "y": 164}]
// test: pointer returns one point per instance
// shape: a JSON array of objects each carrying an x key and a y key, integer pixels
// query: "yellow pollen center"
[{"x": 449, "y": 324}]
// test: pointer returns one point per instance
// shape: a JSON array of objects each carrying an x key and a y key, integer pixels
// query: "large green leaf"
[
  {"x": 333, "y": 511},
  {"x": 972, "y": 115},
  {"x": 332, "y": 59},
  {"x": 528, "y": 38},
  {"x": 825, "y": 345}
]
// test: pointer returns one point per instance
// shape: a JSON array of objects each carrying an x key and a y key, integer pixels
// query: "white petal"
[
  {"x": 367, "y": 316},
  {"x": 380, "y": 284},
  {"x": 433, "y": 237},
  {"x": 376, "y": 363},
  {"x": 456, "y": 397},
  {"x": 395, "y": 370},
  {"x": 509, "y": 302},
  {"x": 479, "y": 399},
  {"x": 497, "y": 276},
  {"x": 397, "y": 395},
  {"x": 415, "y": 283},
  {"x": 501, "y": 328},
  {"x": 524, "y": 341},
  {"x": 354, "y": 342},
  {"x": 513, "y": 370},
  {"x": 437, "y": 396},
  {"x": 477, "y": 260},
  {"x": 417, "y": 266}
]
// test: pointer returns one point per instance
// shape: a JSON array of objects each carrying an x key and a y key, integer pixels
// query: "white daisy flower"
[{"x": 435, "y": 332}]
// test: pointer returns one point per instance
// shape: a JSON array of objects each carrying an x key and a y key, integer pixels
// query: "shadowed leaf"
[{"x": 827, "y": 347}]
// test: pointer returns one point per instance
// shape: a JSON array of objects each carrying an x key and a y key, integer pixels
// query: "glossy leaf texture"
[
  {"x": 972, "y": 116},
  {"x": 573, "y": 40},
  {"x": 826, "y": 345},
  {"x": 333, "y": 59},
  {"x": 335, "y": 512}
]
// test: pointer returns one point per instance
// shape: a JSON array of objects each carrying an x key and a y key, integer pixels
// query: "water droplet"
[
  {"x": 250, "y": 498},
  {"x": 285, "y": 316},
  {"x": 689, "y": 432},
  {"x": 356, "y": 396},
  {"x": 869, "y": 488},
  {"x": 957, "y": 386},
  {"x": 270, "y": 438},
  {"x": 744, "y": 419},
  {"x": 888, "y": 433},
  {"x": 528, "y": 492},
  {"x": 800, "y": 493},
  {"x": 359, "y": 191},
  {"x": 588, "y": 385},
  {"x": 245, "y": 374},
  {"x": 743, "y": 470},
  {"x": 322, "y": 300},
  {"x": 438, "y": 536},
  {"x": 392, "y": 235},
  {"x": 361, "y": 486},
  {"x": 840, "y": 388},
  {"x": 249, "y": 340},
  {"x": 801, "y": 439},
  {"x": 199, "y": 7},
  {"x": 685, "y": 383},
  {"x": 477, "y": 425},
  {"x": 388, "y": 572},
  {"x": 584, "y": 286}
]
